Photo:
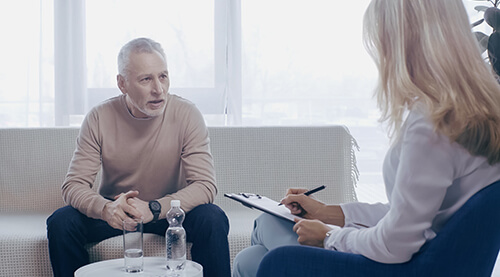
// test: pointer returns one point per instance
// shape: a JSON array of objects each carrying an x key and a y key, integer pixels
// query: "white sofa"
[{"x": 264, "y": 160}]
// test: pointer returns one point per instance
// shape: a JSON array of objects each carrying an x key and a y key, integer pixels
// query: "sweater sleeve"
[
  {"x": 77, "y": 187},
  {"x": 197, "y": 165},
  {"x": 424, "y": 173}
]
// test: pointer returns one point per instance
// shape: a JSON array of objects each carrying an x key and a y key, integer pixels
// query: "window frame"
[{"x": 73, "y": 98}]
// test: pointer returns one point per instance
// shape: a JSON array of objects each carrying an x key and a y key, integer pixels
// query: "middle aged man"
[{"x": 153, "y": 147}]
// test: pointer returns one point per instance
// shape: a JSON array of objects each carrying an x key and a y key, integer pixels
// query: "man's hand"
[
  {"x": 143, "y": 207},
  {"x": 302, "y": 205},
  {"x": 310, "y": 232},
  {"x": 115, "y": 212}
]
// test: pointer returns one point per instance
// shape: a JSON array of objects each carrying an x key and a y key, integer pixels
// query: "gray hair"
[{"x": 138, "y": 45}]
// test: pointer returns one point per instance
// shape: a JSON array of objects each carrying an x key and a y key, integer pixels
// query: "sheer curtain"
[
  {"x": 27, "y": 66},
  {"x": 304, "y": 63},
  {"x": 242, "y": 62}
]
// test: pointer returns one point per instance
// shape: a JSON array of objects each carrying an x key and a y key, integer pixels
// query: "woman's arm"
[
  {"x": 307, "y": 207},
  {"x": 425, "y": 170}
]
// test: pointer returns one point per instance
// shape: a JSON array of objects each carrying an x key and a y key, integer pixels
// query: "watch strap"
[{"x": 155, "y": 208}]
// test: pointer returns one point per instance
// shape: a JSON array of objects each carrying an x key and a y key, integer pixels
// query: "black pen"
[{"x": 309, "y": 192}]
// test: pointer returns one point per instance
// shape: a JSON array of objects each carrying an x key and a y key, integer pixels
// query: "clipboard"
[{"x": 264, "y": 204}]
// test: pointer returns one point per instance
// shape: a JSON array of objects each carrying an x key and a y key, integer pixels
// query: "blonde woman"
[{"x": 442, "y": 105}]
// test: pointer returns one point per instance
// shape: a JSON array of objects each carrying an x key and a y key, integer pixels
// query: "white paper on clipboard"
[{"x": 263, "y": 203}]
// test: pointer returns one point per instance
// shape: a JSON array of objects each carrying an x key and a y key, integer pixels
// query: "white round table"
[{"x": 153, "y": 267}]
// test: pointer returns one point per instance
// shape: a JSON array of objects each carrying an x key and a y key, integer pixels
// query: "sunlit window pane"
[
  {"x": 184, "y": 28},
  {"x": 27, "y": 67},
  {"x": 304, "y": 63}
]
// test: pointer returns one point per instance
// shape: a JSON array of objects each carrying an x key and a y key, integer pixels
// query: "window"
[
  {"x": 243, "y": 62},
  {"x": 27, "y": 68},
  {"x": 187, "y": 35},
  {"x": 304, "y": 63},
  {"x": 193, "y": 40}
]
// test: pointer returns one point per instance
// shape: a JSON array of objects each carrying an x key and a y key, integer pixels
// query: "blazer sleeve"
[
  {"x": 424, "y": 173},
  {"x": 363, "y": 214}
]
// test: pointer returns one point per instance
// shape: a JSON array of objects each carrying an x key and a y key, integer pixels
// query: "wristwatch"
[
  {"x": 155, "y": 208},
  {"x": 327, "y": 236}
]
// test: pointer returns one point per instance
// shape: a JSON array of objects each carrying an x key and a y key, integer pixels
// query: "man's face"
[{"x": 146, "y": 84}]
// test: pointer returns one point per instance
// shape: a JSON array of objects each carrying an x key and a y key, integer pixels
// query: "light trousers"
[{"x": 269, "y": 233}]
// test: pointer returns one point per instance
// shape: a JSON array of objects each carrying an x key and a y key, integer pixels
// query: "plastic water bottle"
[{"x": 175, "y": 239}]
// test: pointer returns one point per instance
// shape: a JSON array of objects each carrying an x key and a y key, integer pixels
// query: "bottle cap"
[{"x": 175, "y": 203}]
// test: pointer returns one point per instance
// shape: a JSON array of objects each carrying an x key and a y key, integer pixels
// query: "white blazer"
[{"x": 427, "y": 179}]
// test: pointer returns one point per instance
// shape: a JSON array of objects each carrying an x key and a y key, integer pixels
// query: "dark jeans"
[{"x": 206, "y": 226}]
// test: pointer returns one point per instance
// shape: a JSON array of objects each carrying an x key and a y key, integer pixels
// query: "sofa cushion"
[
  {"x": 23, "y": 241},
  {"x": 23, "y": 245},
  {"x": 263, "y": 160}
]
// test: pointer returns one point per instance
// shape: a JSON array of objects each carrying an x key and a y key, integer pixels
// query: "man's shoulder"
[
  {"x": 110, "y": 106},
  {"x": 180, "y": 101},
  {"x": 181, "y": 110},
  {"x": 105, "y": 111},
  {"x": 179, "y": 104},
  {"x": 109, "y": 103}
]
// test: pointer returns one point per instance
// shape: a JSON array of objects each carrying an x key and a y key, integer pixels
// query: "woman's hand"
[
  {"x": 310, "y": 232},
  {"x": 310, "y": 208},
  {"x": 302, "y": 205}
]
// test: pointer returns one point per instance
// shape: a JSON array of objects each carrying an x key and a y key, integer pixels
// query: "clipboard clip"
[{"x": 250, "y": 195}]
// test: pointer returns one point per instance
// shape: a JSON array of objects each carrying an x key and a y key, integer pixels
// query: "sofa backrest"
[
  {"x": 263, "y": 160},
  {"x": 33, "y": 164},
  {"x": 269, "y": 160}
]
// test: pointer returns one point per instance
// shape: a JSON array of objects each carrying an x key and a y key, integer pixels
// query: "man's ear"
[{"x": 120, "y": 81}]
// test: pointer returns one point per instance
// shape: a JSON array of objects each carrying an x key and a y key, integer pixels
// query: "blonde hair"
[{"x": 427, "y": 54}]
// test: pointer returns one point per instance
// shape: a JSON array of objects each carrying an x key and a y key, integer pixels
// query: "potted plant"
[{"x": 490, "y": 43}]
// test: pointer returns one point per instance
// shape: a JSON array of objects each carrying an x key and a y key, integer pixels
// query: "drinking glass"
[{"x": 132, "y": 245}]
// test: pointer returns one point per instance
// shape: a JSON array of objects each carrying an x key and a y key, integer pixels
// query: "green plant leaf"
[
  {"x": 492, "y": 17},
  {"x": 481, "y": 8},
  {"x": 494, "y": 51},
  {"x": 477, "y": 23},
  {"x": 482, "y": 39}
]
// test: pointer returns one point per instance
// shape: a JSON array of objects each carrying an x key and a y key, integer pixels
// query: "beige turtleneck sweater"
[{"x": 164, "y": 158}]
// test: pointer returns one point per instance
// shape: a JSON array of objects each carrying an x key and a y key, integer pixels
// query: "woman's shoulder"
[{"x": 418, "y": 119}]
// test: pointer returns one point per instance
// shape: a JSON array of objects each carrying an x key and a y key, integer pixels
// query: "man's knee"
[
  {"x": 211, "y": 213},
  {"x": 62, "y": 220},
  {"x": 210, "y": 217}
]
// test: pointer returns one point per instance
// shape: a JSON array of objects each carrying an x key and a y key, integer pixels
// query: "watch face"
[{"x": 155, "y": 206}]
